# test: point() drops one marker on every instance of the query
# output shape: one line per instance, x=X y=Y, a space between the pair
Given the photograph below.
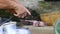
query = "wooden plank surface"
x=40 y=30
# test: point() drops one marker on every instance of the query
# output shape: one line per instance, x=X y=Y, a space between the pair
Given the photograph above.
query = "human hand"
x=20 y=10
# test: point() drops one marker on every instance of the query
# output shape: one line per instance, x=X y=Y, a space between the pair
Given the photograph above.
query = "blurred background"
x=47 y=12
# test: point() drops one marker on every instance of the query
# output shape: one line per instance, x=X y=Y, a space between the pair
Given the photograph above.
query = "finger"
x=15 y=15
x=28 y=12
x=25 y=14
x=21 y=15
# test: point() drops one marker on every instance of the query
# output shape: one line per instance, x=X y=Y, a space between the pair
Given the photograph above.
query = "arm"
x=5 y=4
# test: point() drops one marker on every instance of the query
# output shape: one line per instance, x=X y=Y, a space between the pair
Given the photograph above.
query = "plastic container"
x=23 y=31
x=1 y=30
x=9 y=28
x=57 y=26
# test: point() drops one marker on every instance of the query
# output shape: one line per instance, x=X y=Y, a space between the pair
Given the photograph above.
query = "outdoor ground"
x=40 y=30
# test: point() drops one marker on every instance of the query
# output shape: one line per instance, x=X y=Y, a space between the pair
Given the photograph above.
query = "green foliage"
x=45 y=7
x=5 y=13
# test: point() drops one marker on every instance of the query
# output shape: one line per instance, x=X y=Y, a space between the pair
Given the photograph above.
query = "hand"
x=7 y=3
x=3 y=4
x=20 y=10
